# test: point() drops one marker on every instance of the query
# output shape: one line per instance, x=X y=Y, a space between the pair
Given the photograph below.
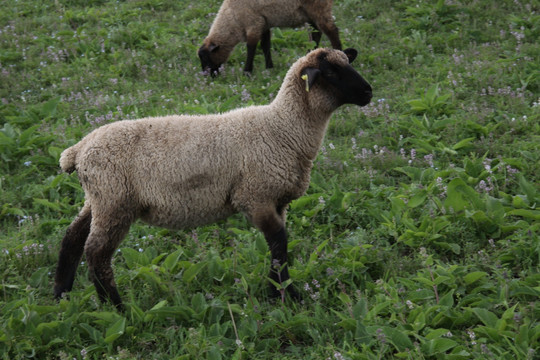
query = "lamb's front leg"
x=271 y=223
x=253 y=37
x=265 y=45
x=248 y=67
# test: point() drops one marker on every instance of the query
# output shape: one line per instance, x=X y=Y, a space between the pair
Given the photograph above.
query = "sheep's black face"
x=352 y=87
x=206 y=56
x=346 y=84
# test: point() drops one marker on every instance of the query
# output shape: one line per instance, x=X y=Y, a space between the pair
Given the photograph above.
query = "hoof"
x=60 y=291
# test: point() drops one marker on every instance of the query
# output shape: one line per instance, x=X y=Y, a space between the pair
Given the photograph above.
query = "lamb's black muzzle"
x=355 y=89
x=208 y=66
x=351 y=87
x=365 y=98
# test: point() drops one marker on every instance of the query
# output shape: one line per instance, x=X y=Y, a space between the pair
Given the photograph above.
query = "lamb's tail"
x=68 y=158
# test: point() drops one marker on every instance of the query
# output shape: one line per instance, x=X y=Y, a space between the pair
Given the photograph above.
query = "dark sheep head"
x=212 y=56
x=348 y=85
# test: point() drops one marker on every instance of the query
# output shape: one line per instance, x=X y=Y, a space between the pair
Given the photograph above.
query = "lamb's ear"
x=351 y=54
x=309 y=75
x=213 y=47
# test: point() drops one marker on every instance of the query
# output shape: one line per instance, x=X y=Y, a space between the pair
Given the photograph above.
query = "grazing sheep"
x=250 y=21
x=185 y=171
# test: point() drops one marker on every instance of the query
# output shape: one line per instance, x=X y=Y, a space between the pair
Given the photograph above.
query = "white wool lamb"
x=184 y=171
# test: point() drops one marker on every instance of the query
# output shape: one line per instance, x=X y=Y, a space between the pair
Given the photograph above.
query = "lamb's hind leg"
x=271 y=222
x=102 y=242
x=71 y=251
x=331 y=30
x=315 y=35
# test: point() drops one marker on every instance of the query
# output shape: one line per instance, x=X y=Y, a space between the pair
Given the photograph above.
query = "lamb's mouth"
x=212 y=71
x=366 y=99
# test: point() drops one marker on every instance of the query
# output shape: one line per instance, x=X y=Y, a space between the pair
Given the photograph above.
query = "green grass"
x=418 y=237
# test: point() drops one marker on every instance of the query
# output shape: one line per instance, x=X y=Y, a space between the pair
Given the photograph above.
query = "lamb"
x=185 y=171
x=250 y=21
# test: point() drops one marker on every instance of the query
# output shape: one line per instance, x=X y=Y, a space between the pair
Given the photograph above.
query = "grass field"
x=417 y=239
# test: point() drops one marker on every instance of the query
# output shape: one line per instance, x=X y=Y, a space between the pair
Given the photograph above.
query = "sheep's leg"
x=265 y=45
x=315 y=35
x=271 y=223
x=253 y=38
x=100 y=247
x=71 y=251
x=331 y=30
x=250 y=56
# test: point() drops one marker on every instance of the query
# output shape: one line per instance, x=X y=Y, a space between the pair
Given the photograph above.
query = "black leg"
x=103 y=278
x=279 y=267
x=278 y=249
x=100 y=247
x=316 y=35
x=332 y=32
x=71 y=252
x=248 y=68
x=265 y=45
x=271 y=222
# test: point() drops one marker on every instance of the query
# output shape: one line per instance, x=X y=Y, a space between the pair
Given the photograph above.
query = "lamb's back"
x=275 y=13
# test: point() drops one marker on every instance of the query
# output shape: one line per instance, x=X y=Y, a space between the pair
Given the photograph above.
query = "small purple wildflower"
x=245 y=95
x=376 y=109
x=510 y=170
x=381 y=337
x=485 y=349
x=457 y=58
x=195 y=237
x=410 y=304
x=429 y=159
x=472 y=336
x=314 y=295
x=403 y=153
x=441 y=186
x=483 y=187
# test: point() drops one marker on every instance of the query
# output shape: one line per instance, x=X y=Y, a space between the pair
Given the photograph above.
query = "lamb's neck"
x=225 y=30
x=300 y=126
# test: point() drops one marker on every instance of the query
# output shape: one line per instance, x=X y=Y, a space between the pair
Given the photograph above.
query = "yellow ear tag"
x=305 y=78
